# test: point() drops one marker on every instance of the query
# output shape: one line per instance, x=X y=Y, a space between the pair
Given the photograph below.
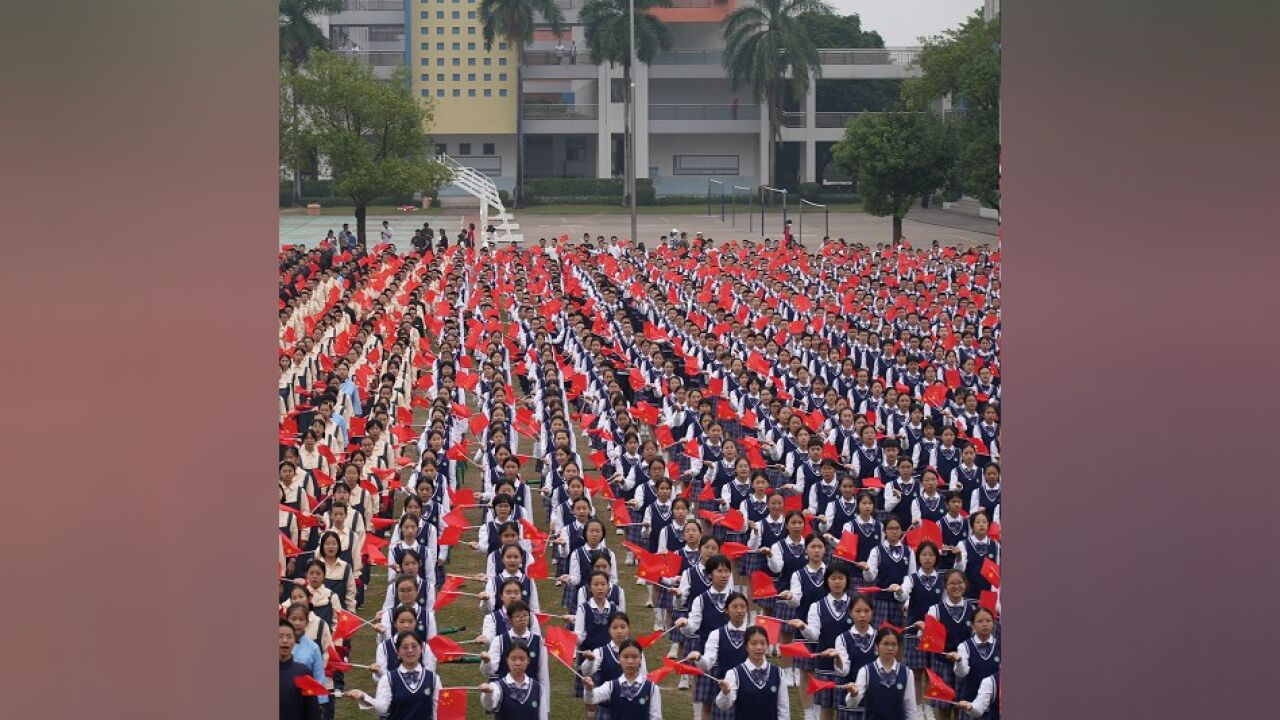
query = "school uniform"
x=920 y=591
x=828 y=619
x=623 y=699
x=954 y=531
x=405 y=694
x=731 y=497
x=854 y=650
x=958 y=621
x=985 y=497
x=898 y=504
x=512 y=700
x=591 y=625
x=706 y=615
x=580 y=568
x=888 y=565
x=972 y=554
x=726 y=648
x=785 y=560
x=928 y=507
x=978 y=661
x=885 y=693
x=756 y=692
x=841 y=515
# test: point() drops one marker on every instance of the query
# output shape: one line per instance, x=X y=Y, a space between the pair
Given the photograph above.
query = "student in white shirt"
x=756 y=678
x=885 y=687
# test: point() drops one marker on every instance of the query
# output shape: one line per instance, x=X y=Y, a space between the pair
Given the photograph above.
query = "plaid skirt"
x=845 y=713
x=783 y=610
x=724 y=535
x=705 y=689
x=912 y=655
x=635 y=533
x=831 y=698
x=666 y=600
x=569 y=599
x=944 y=668
x=884 y=607
x=750 y=563
x=717 y=713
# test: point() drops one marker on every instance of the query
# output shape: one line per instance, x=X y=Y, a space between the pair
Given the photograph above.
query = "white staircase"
x=482 y=188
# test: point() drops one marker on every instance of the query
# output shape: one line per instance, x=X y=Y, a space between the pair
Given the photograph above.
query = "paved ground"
x=947 y=228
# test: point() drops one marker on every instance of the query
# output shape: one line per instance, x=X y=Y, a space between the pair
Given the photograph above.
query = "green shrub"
x=811 y=191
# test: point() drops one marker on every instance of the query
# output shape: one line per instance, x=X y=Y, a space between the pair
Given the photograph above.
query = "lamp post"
x=631 y=147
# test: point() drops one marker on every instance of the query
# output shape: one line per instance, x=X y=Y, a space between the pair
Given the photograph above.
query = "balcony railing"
x=559 y=111
x=375 y=58
x=350 y=5
x=552 y=57
x=841 y=119
x=694 y=3
x=870 y=56
x=703 y=112
x=689 y=57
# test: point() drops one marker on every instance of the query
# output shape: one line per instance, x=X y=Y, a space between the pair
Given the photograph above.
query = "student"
x=604 y=664
x=497 y=622
x=929 y=504
x=967 y=476
x=591 y=621
x=955 y=528
x=630 y=695
x=955 y=612
x=839 y=514
x=920 y=590
x=766 y=515
x=978 y=657
x=886 y=567
x=411 y=691
x=884 y=687
x=987 y=496
x=706 y=615
x=974 y=550
x=520 y=632
x=754 y=689
x=870 y=530
x=385 y=659
x=338 y=576
x=293 y=704
x=726 y=647
x=616 y=595
x=828 y=618
x=901 y=492
x=786 y=557
x=324 y=602
x=580 y=562
x=307 y=652
x=515 y=696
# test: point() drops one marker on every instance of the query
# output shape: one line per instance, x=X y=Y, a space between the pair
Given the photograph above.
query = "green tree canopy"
x=895 y=158
x=964 y=63
x=298 y=34
x=372 y=131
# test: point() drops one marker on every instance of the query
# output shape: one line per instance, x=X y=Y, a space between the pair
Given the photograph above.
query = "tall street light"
x=631 y=147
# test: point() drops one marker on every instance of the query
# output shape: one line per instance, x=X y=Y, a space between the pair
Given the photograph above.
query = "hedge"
x=584 y=191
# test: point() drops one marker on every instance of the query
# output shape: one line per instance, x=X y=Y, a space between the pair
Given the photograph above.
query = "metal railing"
x=375 y=58
x=351 y=5
x=836 y=120
x=703 y=112
x=552 y=57
x=689 y=57
x=870 y=56
x=694 y=3
x=559 y=111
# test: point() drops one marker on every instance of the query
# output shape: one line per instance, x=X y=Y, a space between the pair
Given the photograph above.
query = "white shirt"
x=986 y=694
x=493 y=699
x=873 y=561
x=602 y=693
x=725 y=701
x=854 y=698
x=381 y=700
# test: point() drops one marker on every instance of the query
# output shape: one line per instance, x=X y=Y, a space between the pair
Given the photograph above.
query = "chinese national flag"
x=733 y=550
x=597 y=458
x=404 y=415
x=458 y=452
x=647 y=641
x=463 y=496
x=756 y=459
x=451 y=535
x=762 y=586
x=621 y=513
x=664 y=437
x=560 y=642
x=646 y=413
x=538 y=569
x=792 y=502
x=772 y=627
x=478 y=424
x=724 y=411
x=757 y=364
x=444 y=599
x=734 y=521
x=310 y=687
x=749 y=419
x=356 y=427
x=936 y=395
x=460 y=411
x=467 y=381
x=847 y=548
x=987 y=599
x=336 y=665
x=327 y=454
x=815 y=685
x=708 y=493
x=374 y=554
x=934 y=637
x=715 y=386
x=993 y=531
x=651 y=568
x=814 y=420
x=681 y=668
x=928 y=530
x=692 y=449
x=452 y=704
x=951 y=378
x=348 y=624
x=938 y=689
x=290 y=550
x=445 y=649
x=872 y=482
x=991 y=572
x=322 y=478
x=795 y=650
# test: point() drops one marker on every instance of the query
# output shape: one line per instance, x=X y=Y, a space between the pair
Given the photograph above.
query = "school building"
x=691 y=124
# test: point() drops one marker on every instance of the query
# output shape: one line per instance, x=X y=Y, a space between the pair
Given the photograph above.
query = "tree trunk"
x=770 y=100
x=296 y=198
x=361 y=211
x=519 y=193
x=897 y=229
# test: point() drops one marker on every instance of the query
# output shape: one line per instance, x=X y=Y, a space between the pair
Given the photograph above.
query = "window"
x=440 y=93
x=471 y=92
x=464 y=148
x=617 y=90
x=471 y=14
x=425 y=77
x=424 y=15
x=488 y=92
x=439 y=46
x=439 y=61
x=457 y=77
x=425 y=46
x=502 y=92
x=424 y=30
x=439 y=14
x=705 y=164
x=386 y=33
x=442 y=149
x=471 y=29
x=456 y=14
x=488 y=77
x=502 y=77
x=439 y=29
x=502 y=61
x=457 y=93
x=457 y=62
x=439 y=77
x=502 y=46
x=471 y=62
x=456 y=30
x=488 y=61
x=424 y=61
x=471 y=77
x=457 y=46
x=488 y=147
x=471 y=46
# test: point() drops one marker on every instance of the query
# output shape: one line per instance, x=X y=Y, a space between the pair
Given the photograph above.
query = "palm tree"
x=763 y=43
x=513 y=21
x=298 y=37
x=607 y=27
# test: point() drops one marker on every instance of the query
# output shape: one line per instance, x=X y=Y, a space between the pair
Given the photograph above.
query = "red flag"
x=724 y=411
x=772 y=627
x=467 y=380
x=460 y=411
x=309 y=686
x=452 y=704
x=347 y=625
x=681 y=668
x=757 y=364
x=644 y=412
x=373 y=553
x=383 y=523
x=355 y=427
x=531 y=531
x=692 y=449
x=647 y=641
x=663 y=434
x=928 y=530
x=733 y=550
x=327 y=454
x=715 y=387
x=792 y=502
x=445 y=649
x=333 y=665
x=991 y=571
x=621 y=513
x=937 y=688
x=934 y=637
x=657 y=675
x=708 y=493
x=987 y=599
x=815 y=685
x=458 y=452
x=734 y=521
x=597 y=458
x=404 y=415
x=478 y=424
x=762 y=585
x=795 y=650
x=847 y=548
x=993 y=531
x=749 y=419
x=651 y=568
x=290 y=550
x=560 y=642
x=464 y=496
x=451 y=535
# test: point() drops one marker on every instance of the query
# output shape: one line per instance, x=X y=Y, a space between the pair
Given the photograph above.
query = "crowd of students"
x=797 y=450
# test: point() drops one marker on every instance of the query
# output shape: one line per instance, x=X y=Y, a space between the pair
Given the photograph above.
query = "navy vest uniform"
x=808 y=475
x=389 y=649
x=533 y=644
x=713 y=614
x=412 y=702
x=892 y=571
x=948 y=459
x=868 y=461
x=729 y=653
x=958 y=621
x=974 y=556
x=517 y=705
x=954 y=531
x=832 y=625
x=861 y=650
x=931 y=508
x=902 y=510
x=597 y=624
x=757 y=701
x=869 y=535
x=983 y=663
x=885 y=695
x=633 y=703
x=988 y=500
x=608 y=668
x=970 y=479
x=501 y=623
x=842 y=515
x=811 y=589
x=662 y=519
x=925 y=593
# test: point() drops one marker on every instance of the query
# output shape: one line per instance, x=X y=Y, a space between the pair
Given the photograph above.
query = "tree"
x=764 y=43
x=296 y=140
x=513 y=21
x=964 y=63
x=829 y=30
x=371 y=130
x=608 y=35
x=895 y=158
x=298 y=37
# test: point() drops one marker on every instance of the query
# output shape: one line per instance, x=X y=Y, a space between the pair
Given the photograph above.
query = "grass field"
x=676 y=704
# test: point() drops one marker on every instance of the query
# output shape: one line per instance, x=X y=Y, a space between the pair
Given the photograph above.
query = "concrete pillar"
x=604 y=146
x=643 y=161
x=809 y=165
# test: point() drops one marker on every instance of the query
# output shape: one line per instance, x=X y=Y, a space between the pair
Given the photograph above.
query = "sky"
x=901 y=22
